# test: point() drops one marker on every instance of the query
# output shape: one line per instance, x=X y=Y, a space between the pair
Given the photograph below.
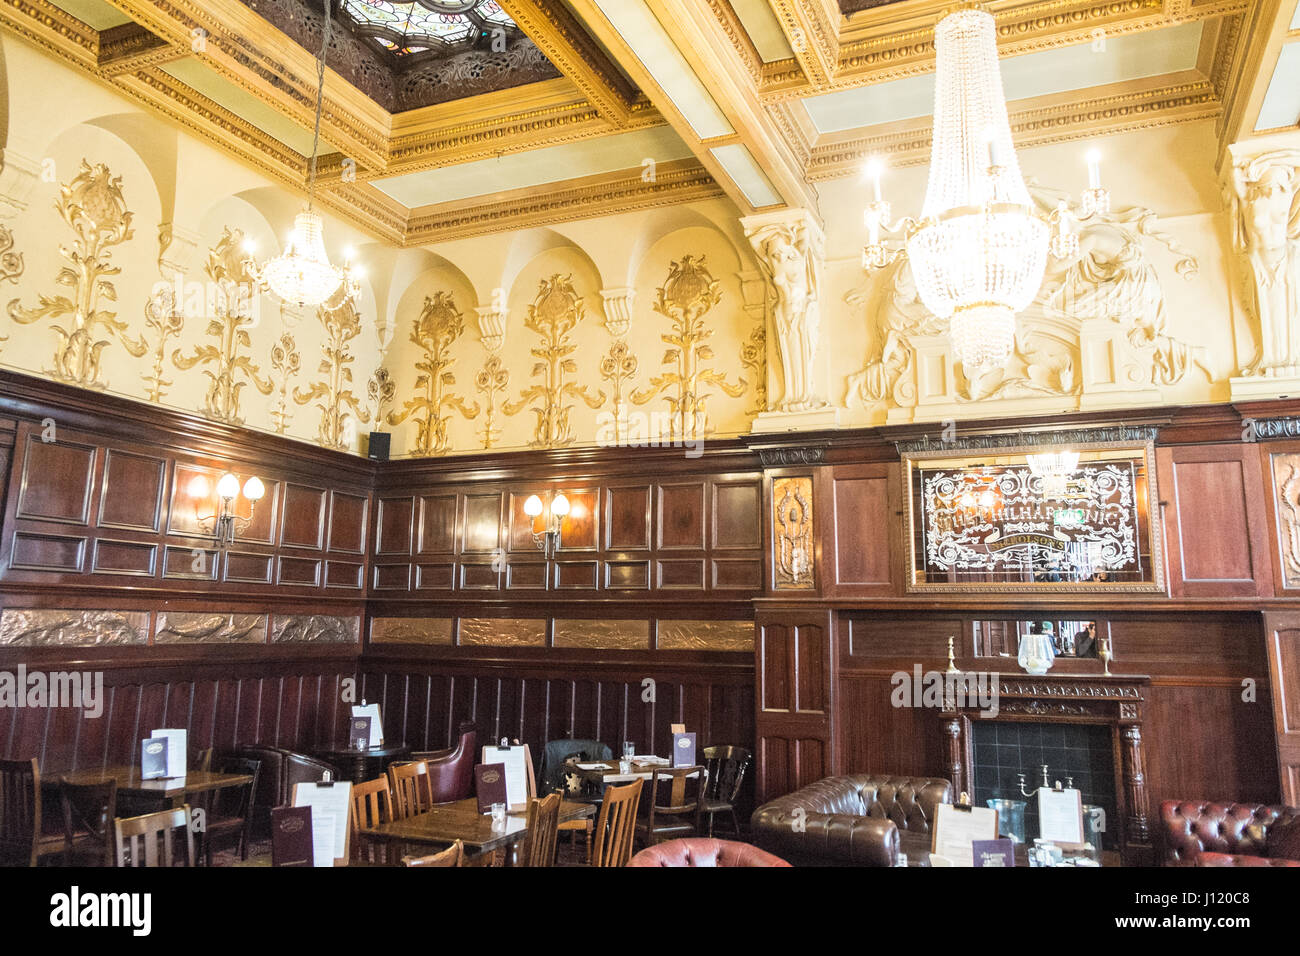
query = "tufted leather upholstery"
x=704 y=851
x=849 y=821
x=1239 y=859
x=451 y=772
x=1192 y=827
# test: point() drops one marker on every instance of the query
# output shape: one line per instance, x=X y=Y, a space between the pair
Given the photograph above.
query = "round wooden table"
x=355 y=765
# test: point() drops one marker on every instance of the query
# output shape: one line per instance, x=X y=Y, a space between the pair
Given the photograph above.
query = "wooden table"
x=612 y=774
x=460 y=820
x=167 y=792
x=355 y=764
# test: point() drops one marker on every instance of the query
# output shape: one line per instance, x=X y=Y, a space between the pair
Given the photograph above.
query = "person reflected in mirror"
x=1085 y=641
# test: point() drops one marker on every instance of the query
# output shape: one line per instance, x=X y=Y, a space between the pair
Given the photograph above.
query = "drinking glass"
x=629 y=749
x=498 y=814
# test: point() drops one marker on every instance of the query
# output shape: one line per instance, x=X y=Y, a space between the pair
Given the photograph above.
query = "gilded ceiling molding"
x=677 y=182
x=434 y=330
x=52 y=30
x=338 y=406
x=739 y=37
x=1138 y=109
x=227 y=267
x=165 y=316
x=130 y=47
x=285 y=365
x=687 y=296
x=553 y=315
x=810 y=26
x=94 y=208
x=566 y=44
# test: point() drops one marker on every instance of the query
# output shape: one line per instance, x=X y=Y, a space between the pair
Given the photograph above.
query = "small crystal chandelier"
x=303 y=272
x=979 y=251
x=1054 y=469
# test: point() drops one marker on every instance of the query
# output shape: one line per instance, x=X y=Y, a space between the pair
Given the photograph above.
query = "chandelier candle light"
x=979 y=251
x=303 y=272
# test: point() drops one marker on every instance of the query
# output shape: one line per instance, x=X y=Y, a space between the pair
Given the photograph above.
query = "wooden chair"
x=409 y=786
x=726 y=765
x=88 y=813
x=21 y=839
x=454 y=855
x=543 y=830
x=676 y=804
x=228 y=813
x=616 y=824
x=138 y=838
x=581 y=786
x=372 y=804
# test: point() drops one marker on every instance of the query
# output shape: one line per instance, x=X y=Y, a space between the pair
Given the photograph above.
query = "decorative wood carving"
x=792 y=514
x=72 y=628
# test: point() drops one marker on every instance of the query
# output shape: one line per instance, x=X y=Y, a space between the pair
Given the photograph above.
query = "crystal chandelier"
x=1054 y=469
x=979 y=251
x=303 y=272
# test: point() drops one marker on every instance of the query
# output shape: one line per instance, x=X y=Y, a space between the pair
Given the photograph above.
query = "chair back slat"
x=138 y=838
x=616 y=824
x=372 y=805
x=543 y=828
x=726 y=764
x=454 y=855
x=411 y=792
x=20 y=812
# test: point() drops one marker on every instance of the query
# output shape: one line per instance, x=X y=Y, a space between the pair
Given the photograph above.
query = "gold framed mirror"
x=1061 y=511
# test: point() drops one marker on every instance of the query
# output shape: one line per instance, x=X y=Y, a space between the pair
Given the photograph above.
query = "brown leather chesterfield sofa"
x=858 y=820
x=704 y=851
x=1202 y=833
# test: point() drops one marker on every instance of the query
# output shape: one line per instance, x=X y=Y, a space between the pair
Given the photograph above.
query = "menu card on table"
x=1000 y=852
x=683 y=750
x=331 y=819
x=175 y=759
x=957 y=827
x=291 y=836
x=360 y=734
x=517 y=768
x=490 y=785
x=153 y=758
x=1060 y=817
x=376 y=725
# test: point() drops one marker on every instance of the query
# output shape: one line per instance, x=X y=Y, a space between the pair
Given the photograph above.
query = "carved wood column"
x=954 y=748
x=1135 y=786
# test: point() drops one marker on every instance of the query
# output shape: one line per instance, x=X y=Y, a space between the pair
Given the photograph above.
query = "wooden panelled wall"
x=420 y=581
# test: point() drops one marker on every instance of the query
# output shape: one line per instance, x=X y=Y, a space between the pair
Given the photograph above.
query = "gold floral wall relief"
x=617 y=367
x=235 y=301
x=685 y=298
x=93 y=207
x=753 y=355
x=162 y=315
x=338 y=406
x=492 y=381
x=11 y=263
x=380 y=391
x=553 y=315
x=435 y=329
x=285 y=363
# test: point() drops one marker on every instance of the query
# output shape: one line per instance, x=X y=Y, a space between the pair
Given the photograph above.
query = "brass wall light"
x=226 y=524
x=548 y=538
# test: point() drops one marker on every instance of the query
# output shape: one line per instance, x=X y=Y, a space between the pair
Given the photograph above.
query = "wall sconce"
x=226 y=524
x=548 y=539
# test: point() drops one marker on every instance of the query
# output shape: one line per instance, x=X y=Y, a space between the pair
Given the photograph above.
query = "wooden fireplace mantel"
x=1115 y=701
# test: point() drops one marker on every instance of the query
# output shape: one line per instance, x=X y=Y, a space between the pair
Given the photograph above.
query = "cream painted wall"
x=56 y=117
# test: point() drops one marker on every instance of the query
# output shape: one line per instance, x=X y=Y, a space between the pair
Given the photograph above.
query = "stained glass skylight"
x=429 y=26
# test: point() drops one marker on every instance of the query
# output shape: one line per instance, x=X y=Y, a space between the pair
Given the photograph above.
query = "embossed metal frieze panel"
x=411 y=630
x=315 y=629
x=72 y=628
x=706 y=636
x=175 y=627
x=621 y=635
x=502 y=632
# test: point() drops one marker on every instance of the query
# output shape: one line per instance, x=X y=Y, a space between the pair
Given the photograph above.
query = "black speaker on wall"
x=377 y=447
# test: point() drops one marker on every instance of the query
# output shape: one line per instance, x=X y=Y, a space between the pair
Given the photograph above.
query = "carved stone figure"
x=790 y=253
x=1266 y=233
